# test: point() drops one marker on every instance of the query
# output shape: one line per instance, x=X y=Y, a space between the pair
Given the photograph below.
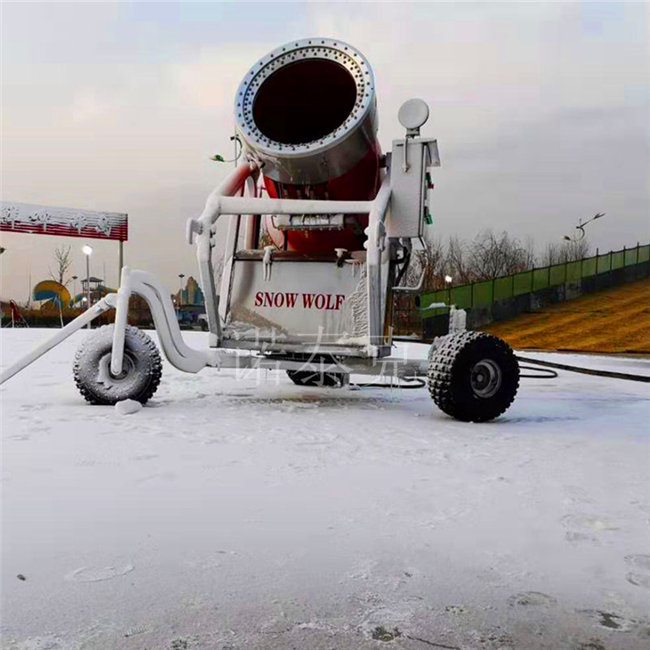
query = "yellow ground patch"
x=615 y=320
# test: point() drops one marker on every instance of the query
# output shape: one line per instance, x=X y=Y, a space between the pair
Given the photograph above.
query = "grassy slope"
x=615 y=320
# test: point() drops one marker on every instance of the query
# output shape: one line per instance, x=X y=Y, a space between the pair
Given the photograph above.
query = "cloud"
x=88 y=104
x=210 y=80
x=540 y=109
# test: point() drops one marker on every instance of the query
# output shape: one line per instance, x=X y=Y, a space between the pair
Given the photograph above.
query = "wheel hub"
x=104 y=371
x=485 y=378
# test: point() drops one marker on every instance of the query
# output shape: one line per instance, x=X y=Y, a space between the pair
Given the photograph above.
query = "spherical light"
x=413 y=113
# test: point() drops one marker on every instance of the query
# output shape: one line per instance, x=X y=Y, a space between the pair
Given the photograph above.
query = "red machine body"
x=360 y=183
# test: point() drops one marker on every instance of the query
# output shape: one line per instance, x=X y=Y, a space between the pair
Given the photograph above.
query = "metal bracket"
x=267 y=260
x=192 y=226
x=179 y=354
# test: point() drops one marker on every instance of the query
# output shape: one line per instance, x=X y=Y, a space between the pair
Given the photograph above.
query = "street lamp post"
x=87 y=251
x=573 y=249
x=180 y=295
x=581 y=228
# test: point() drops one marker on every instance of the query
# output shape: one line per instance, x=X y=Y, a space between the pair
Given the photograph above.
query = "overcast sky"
x=541 y=113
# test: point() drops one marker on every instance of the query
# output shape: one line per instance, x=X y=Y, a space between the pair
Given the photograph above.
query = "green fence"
x=485 y=293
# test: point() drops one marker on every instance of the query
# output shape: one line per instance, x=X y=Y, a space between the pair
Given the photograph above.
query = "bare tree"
x=63 y=262
x=456 y=262
x=528 y=253
x=491 y=256
x=578 y=249
x=486 y=257
x=567 y=251
x=553 y=254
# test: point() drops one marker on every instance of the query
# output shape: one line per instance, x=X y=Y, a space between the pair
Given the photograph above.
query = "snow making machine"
x=321 y=227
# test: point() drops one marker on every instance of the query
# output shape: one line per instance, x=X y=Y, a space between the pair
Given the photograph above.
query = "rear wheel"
x=473 y=376
x=141 y=367
x=311 y=378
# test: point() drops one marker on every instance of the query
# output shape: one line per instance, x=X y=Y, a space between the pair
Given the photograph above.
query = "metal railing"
x=484 y=293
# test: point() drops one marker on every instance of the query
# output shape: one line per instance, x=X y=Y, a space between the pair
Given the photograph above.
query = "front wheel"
x=473 y=376
x=141 y=367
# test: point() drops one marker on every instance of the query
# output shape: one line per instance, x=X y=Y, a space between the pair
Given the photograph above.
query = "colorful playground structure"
x=54 y=295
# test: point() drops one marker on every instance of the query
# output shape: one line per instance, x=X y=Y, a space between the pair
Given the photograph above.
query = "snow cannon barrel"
x=308 y=113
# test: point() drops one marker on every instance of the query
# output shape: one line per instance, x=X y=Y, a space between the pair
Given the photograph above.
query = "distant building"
x=190 y=295
x=189 y=303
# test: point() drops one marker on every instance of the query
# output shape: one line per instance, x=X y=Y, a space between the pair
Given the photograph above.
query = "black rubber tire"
x=320 y=379
x=456 y=390
x=141 y=374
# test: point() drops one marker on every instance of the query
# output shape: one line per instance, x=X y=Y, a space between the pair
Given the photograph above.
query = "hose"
x=586 y=371
x=406 y=260
x=551 y=374
x=541 y=373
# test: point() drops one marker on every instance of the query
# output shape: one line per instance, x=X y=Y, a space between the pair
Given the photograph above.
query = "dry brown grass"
x=613 y=321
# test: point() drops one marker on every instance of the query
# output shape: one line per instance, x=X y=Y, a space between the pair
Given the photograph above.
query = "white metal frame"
x=223 y=201
x=191 y=360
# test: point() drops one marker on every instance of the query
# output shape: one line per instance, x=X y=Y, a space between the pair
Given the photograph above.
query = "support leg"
x=121 y=313
x=90 y=314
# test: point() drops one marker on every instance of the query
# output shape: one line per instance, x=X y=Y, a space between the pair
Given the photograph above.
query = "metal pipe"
x=103 y=305
x=121 y=313
x=120 y=258
x=250 y=219
x=88 y=284
x=375 y=246
x=228 y=187
x=178 y=353
x=246 y=205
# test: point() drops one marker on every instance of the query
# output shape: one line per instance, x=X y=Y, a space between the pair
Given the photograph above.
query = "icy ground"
x=253 y=514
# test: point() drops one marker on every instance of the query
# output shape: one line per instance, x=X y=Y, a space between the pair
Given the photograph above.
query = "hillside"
x=616 y=320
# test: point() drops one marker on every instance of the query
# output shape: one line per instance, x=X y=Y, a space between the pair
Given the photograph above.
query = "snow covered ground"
x=254 y=514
